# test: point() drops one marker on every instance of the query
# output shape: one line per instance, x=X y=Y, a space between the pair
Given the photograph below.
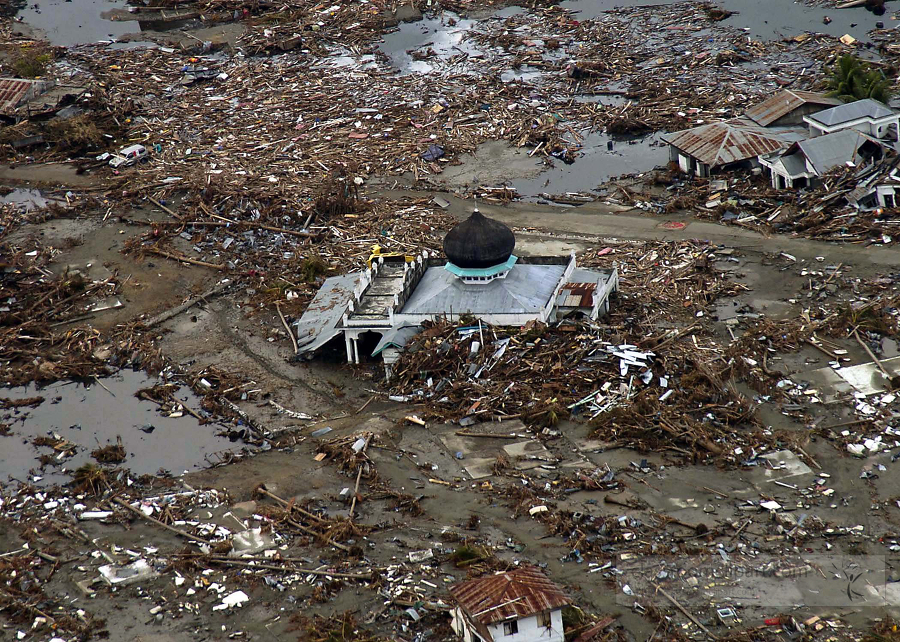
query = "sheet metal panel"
x=513 y=594
x=727 y=141
x=784 y=102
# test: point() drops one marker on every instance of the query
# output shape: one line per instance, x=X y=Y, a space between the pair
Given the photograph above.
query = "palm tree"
x=874 y=84
x=852 y=79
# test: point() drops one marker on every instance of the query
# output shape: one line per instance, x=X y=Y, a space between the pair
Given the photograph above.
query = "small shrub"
x=30 y=62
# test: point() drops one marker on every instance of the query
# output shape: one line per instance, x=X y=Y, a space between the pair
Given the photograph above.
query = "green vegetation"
x=852 y=79
x=311 y=268
x=31 y=62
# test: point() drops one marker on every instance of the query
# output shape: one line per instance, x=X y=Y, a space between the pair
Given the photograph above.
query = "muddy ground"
x=676 y=516
x=430 y=462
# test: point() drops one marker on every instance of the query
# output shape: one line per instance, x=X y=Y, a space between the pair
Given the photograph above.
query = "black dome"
x=479 y=242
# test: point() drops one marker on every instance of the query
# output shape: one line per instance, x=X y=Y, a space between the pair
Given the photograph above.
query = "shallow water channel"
x=95 y=415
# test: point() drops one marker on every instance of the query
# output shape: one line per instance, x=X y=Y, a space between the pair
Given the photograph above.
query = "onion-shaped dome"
x=479 y=242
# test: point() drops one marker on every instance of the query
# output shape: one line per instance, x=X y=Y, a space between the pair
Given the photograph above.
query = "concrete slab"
x=786 y=464
x=526 y=455
x=830 y=386
x=480 y=467
x=865 y=378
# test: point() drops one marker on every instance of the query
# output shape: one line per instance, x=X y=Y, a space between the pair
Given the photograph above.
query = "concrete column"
x=355 y=350
x=349 y=346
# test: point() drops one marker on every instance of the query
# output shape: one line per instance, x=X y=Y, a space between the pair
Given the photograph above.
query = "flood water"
x=88 y=415
x=763 y=19
x=66 y=23
x=597 y=164
x=26 y=199
x=434 y=33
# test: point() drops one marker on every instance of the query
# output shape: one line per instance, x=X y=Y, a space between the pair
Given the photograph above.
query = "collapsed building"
x=377 y=310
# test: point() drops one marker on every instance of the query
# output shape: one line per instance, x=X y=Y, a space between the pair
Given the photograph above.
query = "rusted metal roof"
x=13 y=92
x=512 y=594
x=727 y=141
x=576 y=295
x=784 y=102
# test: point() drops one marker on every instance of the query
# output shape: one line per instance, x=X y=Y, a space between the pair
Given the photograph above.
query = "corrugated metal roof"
x=849 y=112
x=13 y=91
x=784 y=102
x=396 y=337
x=576 y=295
x=727 y=141
x=512 y=594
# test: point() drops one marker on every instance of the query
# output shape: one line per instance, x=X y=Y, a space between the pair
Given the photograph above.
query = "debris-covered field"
x=712 y=459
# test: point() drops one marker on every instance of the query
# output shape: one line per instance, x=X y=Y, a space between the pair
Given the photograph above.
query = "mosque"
x=377 y=310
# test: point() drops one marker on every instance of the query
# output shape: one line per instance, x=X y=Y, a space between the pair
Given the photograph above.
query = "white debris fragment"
x=232 y=600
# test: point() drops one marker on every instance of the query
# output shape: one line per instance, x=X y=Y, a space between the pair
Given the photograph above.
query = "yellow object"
x=376 y=253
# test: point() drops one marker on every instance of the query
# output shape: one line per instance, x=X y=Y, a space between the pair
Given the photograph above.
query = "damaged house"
x=771 y=135
x=521 y=605
x=867 y=116
x=801 y=164
x=379 y=309
x=787 y=108
x=877 y=185
x=726 y=144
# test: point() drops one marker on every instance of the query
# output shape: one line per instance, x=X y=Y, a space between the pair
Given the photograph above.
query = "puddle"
x=66 y=23
x=415 y=39
x=26 y=199
x=86 y=415
x=594 y=8
x=524 y=74
x=597 y=164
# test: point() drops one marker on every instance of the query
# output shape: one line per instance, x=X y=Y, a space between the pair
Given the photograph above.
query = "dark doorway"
x=366 y=344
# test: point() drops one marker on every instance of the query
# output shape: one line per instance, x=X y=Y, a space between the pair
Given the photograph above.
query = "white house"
x=867 y=116
x=801 y=164
x=521 y=605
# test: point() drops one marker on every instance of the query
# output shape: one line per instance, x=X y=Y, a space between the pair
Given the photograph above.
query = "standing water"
x=94 y=415
x=66 y=23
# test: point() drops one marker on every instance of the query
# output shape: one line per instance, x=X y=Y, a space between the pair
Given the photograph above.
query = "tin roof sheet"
x=784 y=102
x=577 y=295
x=319 y=323
x=12 y=92
x=727 y=141
x=512 y=594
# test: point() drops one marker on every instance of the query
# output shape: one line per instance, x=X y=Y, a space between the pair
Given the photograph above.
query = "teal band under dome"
x=488 y=271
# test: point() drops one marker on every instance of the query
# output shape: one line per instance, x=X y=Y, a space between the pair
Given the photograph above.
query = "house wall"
x=529 y=631
x=796 y=117
x=887 y=196
x=884 y=128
